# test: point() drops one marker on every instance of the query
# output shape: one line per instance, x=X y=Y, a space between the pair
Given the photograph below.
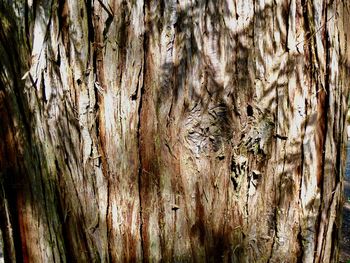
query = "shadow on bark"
x=207 y=115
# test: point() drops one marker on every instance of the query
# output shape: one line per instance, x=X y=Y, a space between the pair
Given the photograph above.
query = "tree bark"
x=173 y=131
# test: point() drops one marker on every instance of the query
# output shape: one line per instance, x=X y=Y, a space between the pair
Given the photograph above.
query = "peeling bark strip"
x=173 y=131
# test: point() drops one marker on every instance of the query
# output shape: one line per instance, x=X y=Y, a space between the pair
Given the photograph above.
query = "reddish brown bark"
x=172 y=131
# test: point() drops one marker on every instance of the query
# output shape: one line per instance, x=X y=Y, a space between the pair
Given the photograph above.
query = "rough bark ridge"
x=172 y=130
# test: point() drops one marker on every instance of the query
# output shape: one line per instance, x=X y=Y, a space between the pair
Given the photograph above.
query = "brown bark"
x=174 y=131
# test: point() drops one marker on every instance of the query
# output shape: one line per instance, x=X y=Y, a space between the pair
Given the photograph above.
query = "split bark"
x=172 y=131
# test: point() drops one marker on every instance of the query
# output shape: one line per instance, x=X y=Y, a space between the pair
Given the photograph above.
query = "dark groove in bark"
x=34 y=8
x=302 y=158
x=134 y=95
x=323 y=99
x=140 y=171
x=276 y=201
x=26 y=25
x=139 y=139
x=91 y=33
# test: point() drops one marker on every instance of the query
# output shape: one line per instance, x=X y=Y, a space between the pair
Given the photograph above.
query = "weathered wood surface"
x=174 y=131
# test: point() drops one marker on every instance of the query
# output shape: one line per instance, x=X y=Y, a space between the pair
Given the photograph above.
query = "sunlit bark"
x=174 y=131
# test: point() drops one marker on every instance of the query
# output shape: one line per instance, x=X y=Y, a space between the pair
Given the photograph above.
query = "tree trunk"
x=173 y=131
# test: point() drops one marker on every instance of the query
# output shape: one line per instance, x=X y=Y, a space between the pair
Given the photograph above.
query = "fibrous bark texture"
x=172 y=130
